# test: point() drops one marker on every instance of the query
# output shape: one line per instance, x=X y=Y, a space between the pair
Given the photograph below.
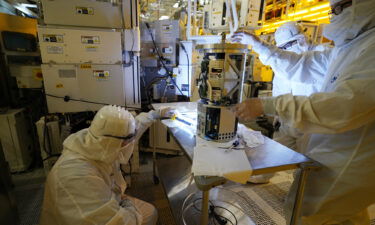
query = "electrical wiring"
x=131 y=53
x=170 y=74
x=67 y=99
x=188 y=65
x=216 y=218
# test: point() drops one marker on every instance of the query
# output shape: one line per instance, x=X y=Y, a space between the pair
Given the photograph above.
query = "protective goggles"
x=129 y=137
x=288 y=45
x=340 y=6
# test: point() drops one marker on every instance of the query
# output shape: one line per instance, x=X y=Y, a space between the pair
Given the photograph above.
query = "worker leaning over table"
x=340 y=120
x=291 y=37
x=86 y=185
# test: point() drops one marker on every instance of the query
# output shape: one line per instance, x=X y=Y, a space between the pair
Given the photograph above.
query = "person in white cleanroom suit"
x=290 y=37
x=86 y=186
x=340 y=120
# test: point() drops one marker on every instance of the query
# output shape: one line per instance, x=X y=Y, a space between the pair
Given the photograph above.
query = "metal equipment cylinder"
x=220 y=89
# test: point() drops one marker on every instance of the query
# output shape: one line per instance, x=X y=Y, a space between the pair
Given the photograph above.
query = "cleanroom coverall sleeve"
x=350 y=105
x=144 y=121
x=306 y=67
x=91 y=201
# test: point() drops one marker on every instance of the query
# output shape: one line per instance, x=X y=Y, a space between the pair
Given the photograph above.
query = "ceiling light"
x=164 y=18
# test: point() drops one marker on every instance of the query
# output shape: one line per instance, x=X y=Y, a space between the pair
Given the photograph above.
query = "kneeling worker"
x=86 y=186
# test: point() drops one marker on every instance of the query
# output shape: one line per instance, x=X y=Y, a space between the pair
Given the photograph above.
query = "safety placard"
x=53 y=38
x=85 y=10
x=101 y=74
x=91 y=48
x=55 y=50
x=85 y=66
x=37 y=74
x=167 y=27
x=90 y=39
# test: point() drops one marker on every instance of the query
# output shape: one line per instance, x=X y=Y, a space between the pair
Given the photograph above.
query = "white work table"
x=267 y=158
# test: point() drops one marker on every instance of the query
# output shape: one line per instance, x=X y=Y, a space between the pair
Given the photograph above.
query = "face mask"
x=126 y=152
x=295 y=48
x=302 y=43
x=338 y=29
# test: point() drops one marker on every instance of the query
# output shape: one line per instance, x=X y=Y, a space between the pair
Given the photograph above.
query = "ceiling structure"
x=152 y=10
x=26 y=8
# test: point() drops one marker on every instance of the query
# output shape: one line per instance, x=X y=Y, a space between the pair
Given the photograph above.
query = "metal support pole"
x=299 y=195
x=243 y=75
x=155 y=177
x=205 y=203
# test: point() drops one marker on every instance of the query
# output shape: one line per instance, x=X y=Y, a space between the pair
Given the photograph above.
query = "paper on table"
x=170 y=123
x=252 y=138
x=233 y=164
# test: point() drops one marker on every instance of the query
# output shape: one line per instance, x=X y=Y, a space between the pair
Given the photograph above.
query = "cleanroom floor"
x=265 y=200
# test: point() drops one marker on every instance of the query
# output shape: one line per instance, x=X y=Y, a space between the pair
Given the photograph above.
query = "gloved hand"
x=164 y=112
x=249 y=109
x=167 y=112
x=246 y=38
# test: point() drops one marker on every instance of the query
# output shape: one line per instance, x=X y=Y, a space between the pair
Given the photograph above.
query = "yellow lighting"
x=280 y=22
x=311 y=15
x=314 y=13
x=322 y=6
x=321 y=18
x=300 y=12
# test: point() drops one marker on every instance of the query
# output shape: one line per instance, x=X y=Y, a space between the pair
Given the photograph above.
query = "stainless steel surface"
x=175 y=175
x=226 y=47
x=176 y=105
x=267 y=158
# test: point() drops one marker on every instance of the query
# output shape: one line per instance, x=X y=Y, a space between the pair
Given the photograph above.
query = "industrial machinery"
x=60 y=45
x=160 y=60
x=16 y=139
x=50 y=141
x=90 y=54
x=221 y=79
x=83 y=87
x=27 y=76
x=91 y=13
x=247 y=12
x=20 y=62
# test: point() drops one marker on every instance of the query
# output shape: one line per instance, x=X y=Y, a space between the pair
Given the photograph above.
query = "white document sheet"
x=231 y=164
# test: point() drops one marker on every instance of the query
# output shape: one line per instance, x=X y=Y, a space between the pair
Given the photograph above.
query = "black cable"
x=45 y=137
x=144 y=85
x=67 y=99
x=162 y=59
x=216 y=216
x=229 y=212
x=188 y=65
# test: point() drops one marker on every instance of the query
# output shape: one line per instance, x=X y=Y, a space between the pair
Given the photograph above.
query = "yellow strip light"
x=314 y=13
